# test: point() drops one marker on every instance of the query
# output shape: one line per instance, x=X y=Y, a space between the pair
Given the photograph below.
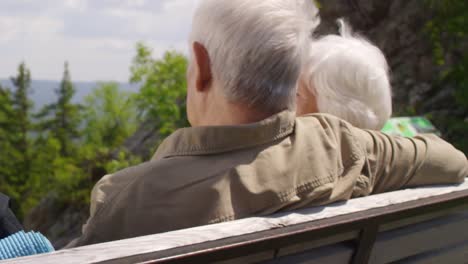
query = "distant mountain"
x=43 y=92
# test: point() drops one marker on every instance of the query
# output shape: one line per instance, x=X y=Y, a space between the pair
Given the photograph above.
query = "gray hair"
x=257 y=48
x=350 y=79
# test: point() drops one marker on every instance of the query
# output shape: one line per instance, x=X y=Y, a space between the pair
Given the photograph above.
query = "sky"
x=96 y=37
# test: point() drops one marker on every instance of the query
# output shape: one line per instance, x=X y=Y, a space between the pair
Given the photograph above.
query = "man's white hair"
x=257 y=47
x=350 y=79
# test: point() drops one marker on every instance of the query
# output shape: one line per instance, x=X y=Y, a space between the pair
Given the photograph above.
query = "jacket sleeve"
x=393 y=162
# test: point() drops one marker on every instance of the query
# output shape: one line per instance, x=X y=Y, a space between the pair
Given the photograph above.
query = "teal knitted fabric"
x=24 y=244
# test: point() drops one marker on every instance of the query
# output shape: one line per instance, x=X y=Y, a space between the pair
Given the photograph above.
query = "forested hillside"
x=43 y=91
x=53 y=155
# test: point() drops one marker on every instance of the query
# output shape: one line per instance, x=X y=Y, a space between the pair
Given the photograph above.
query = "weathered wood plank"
x=326 y=249
x=333 y=254
x=453 y=254
x=319 y=243
x=145 y=248
x=420 y=238
x=253 y=258
x=366 y=243
x=421 y=218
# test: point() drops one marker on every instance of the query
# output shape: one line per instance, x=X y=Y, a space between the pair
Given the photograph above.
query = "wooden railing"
x=409 y=226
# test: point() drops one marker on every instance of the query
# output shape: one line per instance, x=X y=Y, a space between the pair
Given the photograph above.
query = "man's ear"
x=202 y=61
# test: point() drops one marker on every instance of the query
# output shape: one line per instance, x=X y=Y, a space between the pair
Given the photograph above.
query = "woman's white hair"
x=350 y=79
x=257 y=48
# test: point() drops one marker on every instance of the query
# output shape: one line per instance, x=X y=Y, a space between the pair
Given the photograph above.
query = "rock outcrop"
x=398 y=27
x=59 y=222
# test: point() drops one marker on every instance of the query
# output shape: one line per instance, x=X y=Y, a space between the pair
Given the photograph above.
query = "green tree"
x=6 y=112
x=448 y=32
x=110 y=116
x=62 y=118
x=161 y=99
x=19 y=155
x=6 y=140
x=22 y=106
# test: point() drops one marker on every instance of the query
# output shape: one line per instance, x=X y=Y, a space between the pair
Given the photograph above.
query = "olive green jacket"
x=206 y=175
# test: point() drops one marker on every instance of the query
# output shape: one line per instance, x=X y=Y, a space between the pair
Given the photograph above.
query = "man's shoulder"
x=163 y=171
x=156 y=168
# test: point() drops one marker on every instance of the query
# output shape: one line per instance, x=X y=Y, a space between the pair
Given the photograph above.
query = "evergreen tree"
x=21 y=124
x=6 y=113
x=15 y=121
x=62 y=118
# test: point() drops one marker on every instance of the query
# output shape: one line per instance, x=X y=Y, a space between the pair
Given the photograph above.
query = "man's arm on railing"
x=396 y=162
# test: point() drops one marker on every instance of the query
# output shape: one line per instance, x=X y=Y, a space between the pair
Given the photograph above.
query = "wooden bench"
x=422 y=225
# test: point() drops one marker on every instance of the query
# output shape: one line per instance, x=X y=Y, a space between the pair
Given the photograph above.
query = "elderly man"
x=246 y=153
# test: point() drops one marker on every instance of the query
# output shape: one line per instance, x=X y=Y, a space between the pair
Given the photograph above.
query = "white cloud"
x=79 y=5
x=136 y=3
x=97 y=37
x=8 y=30
x=14 y=27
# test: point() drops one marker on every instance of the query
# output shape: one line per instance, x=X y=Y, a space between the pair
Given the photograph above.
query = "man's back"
x=198 y=177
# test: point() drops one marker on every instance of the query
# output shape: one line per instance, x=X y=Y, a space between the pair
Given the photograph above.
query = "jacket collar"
x=219 y=139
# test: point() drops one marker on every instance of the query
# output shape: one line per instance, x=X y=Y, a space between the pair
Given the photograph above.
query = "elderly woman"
x=346 y=76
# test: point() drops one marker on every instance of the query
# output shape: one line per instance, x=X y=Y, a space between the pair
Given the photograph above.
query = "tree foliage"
x=109 y=115
x=163 y=88
x=448 y=32
x=62 y=118
x=22 y=106
x=16 y=158
x=67 y=147
x=8 y=153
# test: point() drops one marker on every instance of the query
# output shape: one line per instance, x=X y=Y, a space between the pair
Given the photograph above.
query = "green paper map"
x=409 y=126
